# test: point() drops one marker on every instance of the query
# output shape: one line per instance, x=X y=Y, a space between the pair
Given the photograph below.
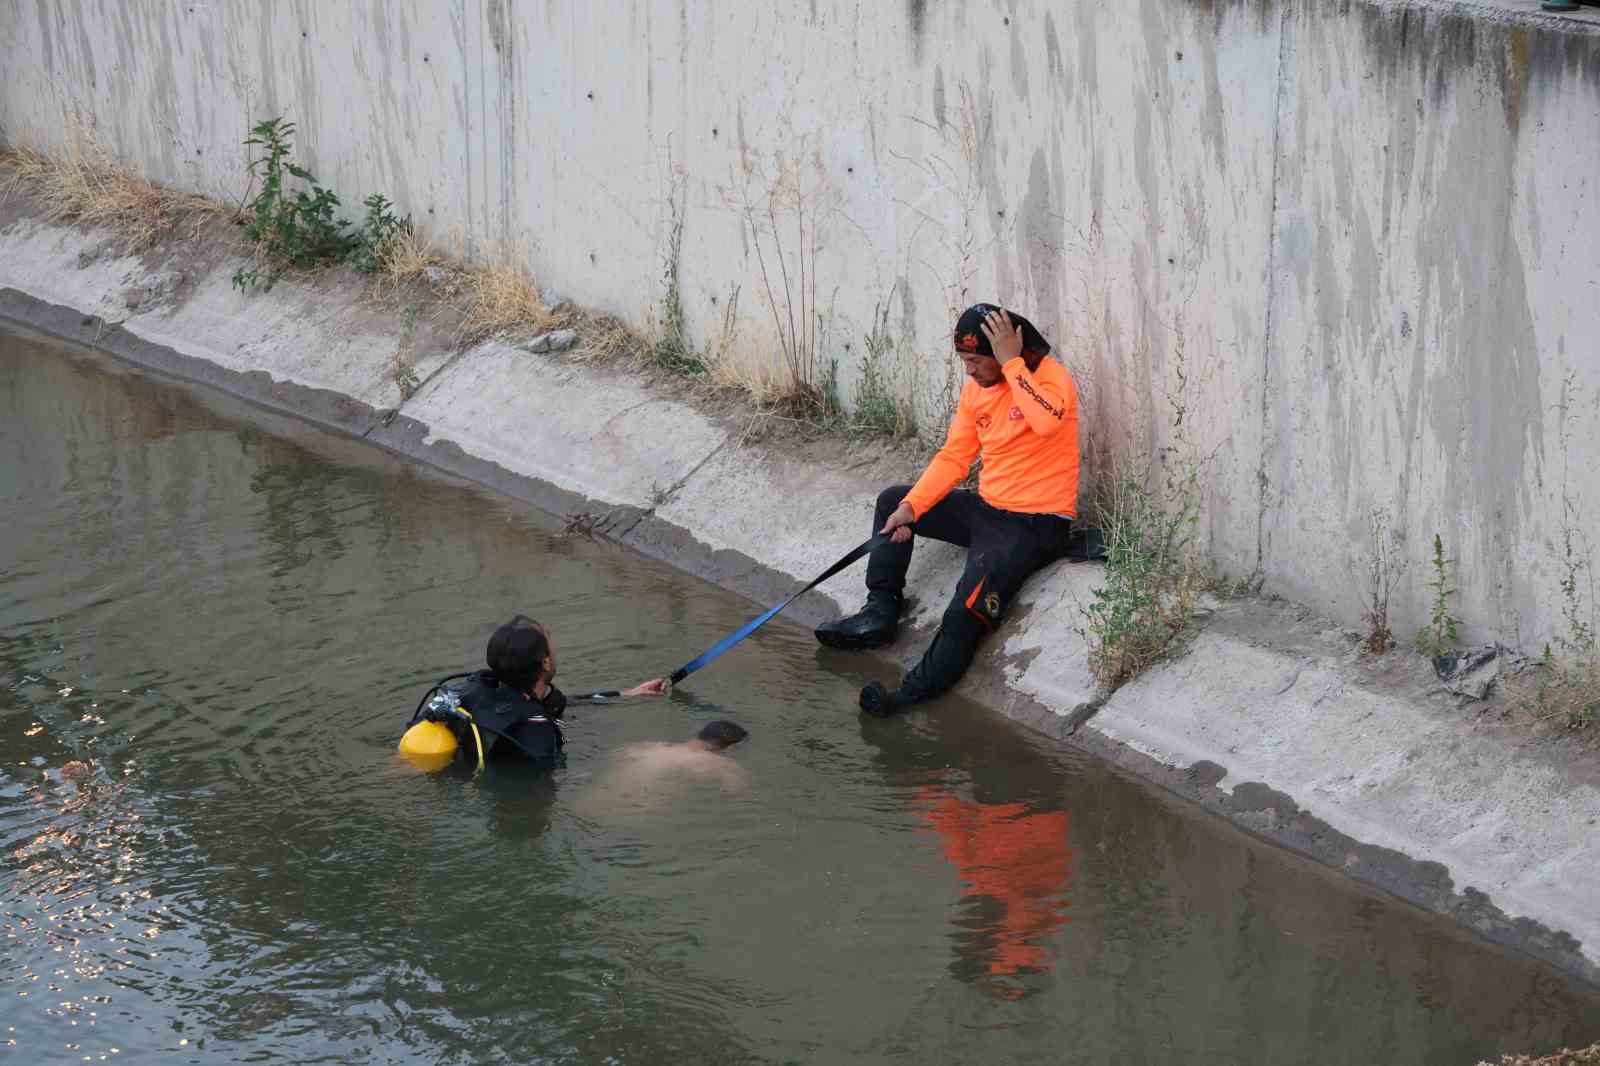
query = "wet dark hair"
x=517 y=652
x=722 y=734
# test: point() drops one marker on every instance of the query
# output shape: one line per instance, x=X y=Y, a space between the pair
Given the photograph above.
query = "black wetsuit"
x=510 y=723
x=1003 y=548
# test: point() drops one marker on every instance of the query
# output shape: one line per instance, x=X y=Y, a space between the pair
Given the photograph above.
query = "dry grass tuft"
x=607 y=337
x=763 y=382
x=404 y=257
x=86 y=187
x=1569 y=694
x=1564 y=1057
x=505 y=299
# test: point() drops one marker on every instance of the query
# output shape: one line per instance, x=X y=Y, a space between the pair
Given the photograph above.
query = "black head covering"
x=969 y=335
x=516 y=653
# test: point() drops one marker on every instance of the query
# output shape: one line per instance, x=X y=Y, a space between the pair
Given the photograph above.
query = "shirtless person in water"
x=645 y=768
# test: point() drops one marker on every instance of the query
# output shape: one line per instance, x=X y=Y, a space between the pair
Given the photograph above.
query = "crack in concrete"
x=634 y=407
x=665 y=495
x=438 y=371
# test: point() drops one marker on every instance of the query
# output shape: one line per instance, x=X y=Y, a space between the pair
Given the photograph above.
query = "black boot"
x=877 y=700
x=874 y=626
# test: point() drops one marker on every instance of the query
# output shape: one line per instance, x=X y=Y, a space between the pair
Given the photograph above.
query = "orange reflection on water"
x=1021 y=861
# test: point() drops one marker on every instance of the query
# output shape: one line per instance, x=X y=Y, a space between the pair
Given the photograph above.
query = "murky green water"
x=232 y=617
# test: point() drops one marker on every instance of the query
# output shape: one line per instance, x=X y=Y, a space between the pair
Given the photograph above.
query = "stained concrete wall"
x=1350 y=243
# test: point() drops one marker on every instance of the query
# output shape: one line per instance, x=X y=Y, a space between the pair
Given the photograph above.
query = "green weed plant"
x=300 y=228
x=1152 y=576
x=1441 y=635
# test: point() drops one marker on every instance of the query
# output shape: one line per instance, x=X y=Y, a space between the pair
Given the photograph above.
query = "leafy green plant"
x=1440 y=635
x=292 y=229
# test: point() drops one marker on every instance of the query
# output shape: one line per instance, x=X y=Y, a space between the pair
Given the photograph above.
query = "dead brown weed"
x=504 y=299
x=1569 y=695
x=85 y=186
x=607 y=337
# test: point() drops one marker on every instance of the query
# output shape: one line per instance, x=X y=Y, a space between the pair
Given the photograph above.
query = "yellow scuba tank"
x=428 y=746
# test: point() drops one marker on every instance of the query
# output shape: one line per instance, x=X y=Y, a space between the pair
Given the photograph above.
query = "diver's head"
x=522 y=655
x=719 y=736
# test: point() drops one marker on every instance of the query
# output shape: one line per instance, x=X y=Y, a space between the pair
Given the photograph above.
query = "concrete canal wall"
x=1351 y=241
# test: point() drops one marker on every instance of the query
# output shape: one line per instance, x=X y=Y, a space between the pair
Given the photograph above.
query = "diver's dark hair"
x=722 y=734
x=517 y=652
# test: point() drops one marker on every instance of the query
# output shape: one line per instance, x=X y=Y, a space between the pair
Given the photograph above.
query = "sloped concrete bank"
x=1271 y=720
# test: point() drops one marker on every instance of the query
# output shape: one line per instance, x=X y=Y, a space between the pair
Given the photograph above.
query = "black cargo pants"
x=1003 y=549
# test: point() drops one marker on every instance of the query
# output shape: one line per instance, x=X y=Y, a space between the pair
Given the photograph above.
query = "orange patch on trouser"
x=977 y=608
x=1021 y=861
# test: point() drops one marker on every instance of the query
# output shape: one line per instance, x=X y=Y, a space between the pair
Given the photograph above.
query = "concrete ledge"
x=1270 y=720
x=534 y=415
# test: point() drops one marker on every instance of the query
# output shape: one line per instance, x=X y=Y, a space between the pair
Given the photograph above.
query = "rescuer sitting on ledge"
x=1019 y=413
x=512 y=708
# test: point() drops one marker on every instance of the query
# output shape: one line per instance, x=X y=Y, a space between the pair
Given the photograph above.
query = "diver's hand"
x=654 y=687
x=899 y=524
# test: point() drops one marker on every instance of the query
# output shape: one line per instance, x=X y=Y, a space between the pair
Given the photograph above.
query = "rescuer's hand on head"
x=1004 y=338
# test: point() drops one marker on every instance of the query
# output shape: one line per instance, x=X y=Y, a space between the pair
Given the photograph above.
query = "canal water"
x=228 y=617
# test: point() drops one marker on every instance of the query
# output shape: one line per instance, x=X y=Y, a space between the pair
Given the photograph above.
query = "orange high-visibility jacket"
x=1026 y=428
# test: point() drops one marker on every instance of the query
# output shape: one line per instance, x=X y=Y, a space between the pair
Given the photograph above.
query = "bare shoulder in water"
x=641 y=765
x=650 y=774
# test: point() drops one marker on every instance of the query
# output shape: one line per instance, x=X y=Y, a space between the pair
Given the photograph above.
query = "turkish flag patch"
x=1016 y=414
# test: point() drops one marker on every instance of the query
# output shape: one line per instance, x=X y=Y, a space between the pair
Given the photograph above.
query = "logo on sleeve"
x=1016 y=414
x=1050 y=408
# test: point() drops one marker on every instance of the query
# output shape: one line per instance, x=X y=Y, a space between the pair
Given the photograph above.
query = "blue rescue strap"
x=715 y=651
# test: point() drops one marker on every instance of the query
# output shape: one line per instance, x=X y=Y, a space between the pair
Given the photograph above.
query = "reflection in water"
x=1015 y=866
x=995 y=805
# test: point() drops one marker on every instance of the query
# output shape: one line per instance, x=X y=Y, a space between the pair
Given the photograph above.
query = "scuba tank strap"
x=477 y=737
x=479 y=728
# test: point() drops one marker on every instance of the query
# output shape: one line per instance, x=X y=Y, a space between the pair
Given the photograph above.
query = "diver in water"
x=511 y=708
